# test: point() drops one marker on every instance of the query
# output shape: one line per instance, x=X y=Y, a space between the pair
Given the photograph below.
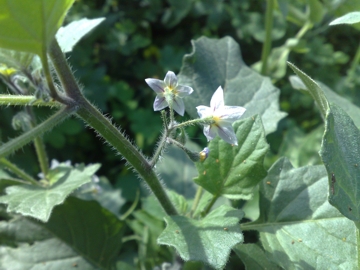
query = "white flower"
x=221 y=116
x=169 y=91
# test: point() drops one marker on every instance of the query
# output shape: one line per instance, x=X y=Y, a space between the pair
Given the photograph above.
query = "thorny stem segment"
x=159 y=148
x=64 y=73
x=115 y=138
x=268 y=28
x=20 y=173
x=25 y=138
x=13 y=100
x=94 y=118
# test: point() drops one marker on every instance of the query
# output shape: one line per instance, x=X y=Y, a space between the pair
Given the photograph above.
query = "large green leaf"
x=215 y=63
x=79 y=235
x=70 y=34
x=298 y=227
x=38 y=202
x=340 y=151
x=208 y=240
x=31 y=25
x=234 y=171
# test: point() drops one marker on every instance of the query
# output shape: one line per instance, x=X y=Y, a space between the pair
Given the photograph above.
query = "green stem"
x=192 y=122
x=303 y=30
x=102 y=125
x=197 y=198
x=208 y=207
x=354 y=65
x=64 y=73
x=268 y=28
x=39 y=146
x=48 y=124
x=115 y=138
x=20 y=173
x=11 y=100
x=357 y=224
x=159 y=148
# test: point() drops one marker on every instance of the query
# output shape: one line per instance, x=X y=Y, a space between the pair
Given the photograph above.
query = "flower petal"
x=217 y=99
x=157 y=85
x=178 y=106
x=210 y=132
x=160 y=103
x=170 y=79
x=227 y=134
x=230 y=114
x=204 y=111
x=184 y=90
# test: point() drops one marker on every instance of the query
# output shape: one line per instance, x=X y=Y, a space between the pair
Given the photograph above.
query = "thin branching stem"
x=19 y=172
x=197 y=198
x=267 y=43
x=17 y=143
x=209 y=206
x=19 y=100
x=39 y=146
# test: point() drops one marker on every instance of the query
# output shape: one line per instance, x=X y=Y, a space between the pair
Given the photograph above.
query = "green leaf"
x=297 y=225
x=215 y=63
x=350 y=18
x=314 y=89
x=208 y=240
x=234 y=171
x=352 y=110
x=69 y=35
x=31 y=25
x=38 y=202
x=254 y=257
x=85 y=235
x=340 y=153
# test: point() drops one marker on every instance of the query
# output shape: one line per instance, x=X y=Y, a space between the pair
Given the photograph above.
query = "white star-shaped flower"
x=168 y=91
x=221 y=116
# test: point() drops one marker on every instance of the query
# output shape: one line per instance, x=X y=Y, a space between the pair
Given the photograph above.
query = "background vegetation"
x=145 y=38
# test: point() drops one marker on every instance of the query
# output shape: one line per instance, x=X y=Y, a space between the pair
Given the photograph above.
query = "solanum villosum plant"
x=306 y=217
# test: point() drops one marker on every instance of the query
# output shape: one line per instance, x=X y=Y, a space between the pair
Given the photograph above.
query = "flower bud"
x=204 y=154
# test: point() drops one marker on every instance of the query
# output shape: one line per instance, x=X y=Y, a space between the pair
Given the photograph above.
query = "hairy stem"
x=48 y=124
x=114 y=137
x=267 y=43
x=13 y=100
x=16 y=170
x=94 y=118
x=159 y=148
x=64 y=73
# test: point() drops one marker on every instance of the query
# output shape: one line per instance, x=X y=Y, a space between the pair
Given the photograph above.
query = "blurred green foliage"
x=145 y=38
